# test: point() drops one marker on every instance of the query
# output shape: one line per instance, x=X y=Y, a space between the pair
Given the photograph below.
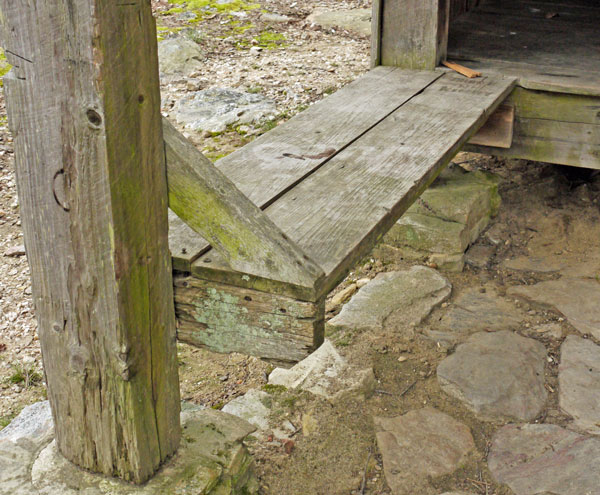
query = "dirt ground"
x=546 y=209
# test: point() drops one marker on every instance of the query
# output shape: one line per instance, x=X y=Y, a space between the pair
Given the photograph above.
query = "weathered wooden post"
x=84 y=108
x=412 y=34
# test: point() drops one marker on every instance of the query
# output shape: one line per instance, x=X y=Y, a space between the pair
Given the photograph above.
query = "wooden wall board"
x=225 y=318
x=272 y=164
x=498 y=129
x=339 y=213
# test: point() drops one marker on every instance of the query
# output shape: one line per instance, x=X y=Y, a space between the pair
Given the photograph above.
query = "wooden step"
x=337 y=197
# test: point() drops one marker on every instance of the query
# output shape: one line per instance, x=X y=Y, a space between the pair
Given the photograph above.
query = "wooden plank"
x=270 y=165
x=84 y=109
x=339 y=213
x=565 y=143
x=498 y=130
x=225 y=318
x=414 y=33
x=377 y=11
x=211 y=205
x=564 y=11
x=183 y=243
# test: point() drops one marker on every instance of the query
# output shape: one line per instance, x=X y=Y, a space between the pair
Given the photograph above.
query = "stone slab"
x=579 y=382
x=399 y=298
x=545 y=459
x=179 y=56
x=355 y=20
x=327 y=374
x=421 y=444
x=211 y=459
x=497 y=375
x=253 y=406
x=576 y=298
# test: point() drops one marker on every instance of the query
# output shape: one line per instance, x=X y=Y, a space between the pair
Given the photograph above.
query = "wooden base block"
x=224 y=318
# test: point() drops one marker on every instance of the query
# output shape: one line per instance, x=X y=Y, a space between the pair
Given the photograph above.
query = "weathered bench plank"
x=276 y=161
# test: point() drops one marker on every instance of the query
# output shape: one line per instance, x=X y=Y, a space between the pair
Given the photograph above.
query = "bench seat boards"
x=273 y=163
x=339 y=212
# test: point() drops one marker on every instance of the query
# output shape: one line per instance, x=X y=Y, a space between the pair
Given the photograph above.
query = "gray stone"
x=576 y=298
x=447 y=218
x=33 y=424
x=211 y=457
x=356 y=20
x=479 y=255
x=179 y=56
x=545 y=459
x=418 y=445
x=474 y=311
x=15 y=251
x=212 y=110
x=397 y=298
x=327 y=374
x=497 y=375
x=253 y=406
x=579 y=382
x=270 y=17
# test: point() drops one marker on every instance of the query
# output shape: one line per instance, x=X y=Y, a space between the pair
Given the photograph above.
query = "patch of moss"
x=4 y=66
x=274 y=389
x=26 y=375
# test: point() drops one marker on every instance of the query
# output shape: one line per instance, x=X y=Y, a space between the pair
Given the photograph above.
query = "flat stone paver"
x=474 y=311
x=579 y=382
x=404 y=297
x=545 y=459
x=421 y=444
x=497 y=375
x=576 y=298
x=356 y=20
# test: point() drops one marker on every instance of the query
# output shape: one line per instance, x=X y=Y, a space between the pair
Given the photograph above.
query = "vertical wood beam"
x=84 y=108
x=412 y=34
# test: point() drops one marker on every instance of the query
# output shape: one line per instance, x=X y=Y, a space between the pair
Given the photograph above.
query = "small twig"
x=404 y=392
x=363 y=485
x=383 y=392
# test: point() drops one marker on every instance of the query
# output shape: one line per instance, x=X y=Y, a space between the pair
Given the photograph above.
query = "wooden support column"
x=412 y=34
x=84 y=108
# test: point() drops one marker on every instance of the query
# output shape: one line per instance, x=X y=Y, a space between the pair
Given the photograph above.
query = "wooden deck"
x=553 y=49
x=334 y=179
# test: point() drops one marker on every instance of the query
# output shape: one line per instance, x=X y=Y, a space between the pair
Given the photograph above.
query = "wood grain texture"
x=272 y=164
x=414 y=33
x=340 y=212
x=225 y=318
x=376 y=13
x=212 y=206
x=558 y=54
x=83 y=105
x=498 y=129
x=183 y=243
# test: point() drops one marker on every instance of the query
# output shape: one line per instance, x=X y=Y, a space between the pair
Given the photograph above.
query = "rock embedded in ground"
x=211 y=457
x=545 y=459
x=576 y=298
x=212 y=110
x=579 y=382
x=179 y=56
x=474 y=311
x=447 y=218
x=253 y=406
x=399 y=298
x=327 y=374
x=355 y=20
x=497 y=375
x=418 y=445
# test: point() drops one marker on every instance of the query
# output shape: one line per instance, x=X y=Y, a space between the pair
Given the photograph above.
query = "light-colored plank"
x=377 y=10
x=225 y=318
x=339 y=213
x=414 y=33
x=84 y=109
x=275 y=162
x=211 y=205
x=498 y=130
x=183 y=243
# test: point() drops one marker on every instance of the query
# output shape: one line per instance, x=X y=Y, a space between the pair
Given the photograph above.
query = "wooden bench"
x=330 y=183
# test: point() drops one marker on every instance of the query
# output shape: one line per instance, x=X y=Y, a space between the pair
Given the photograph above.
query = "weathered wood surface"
x=339 y=212
x=498 y=130
x=557 y=54
x=225 y=318
x=376 y=13
x=414 y=33
x=459 y=7
x=83 y=106
x=272 y=164
x=211 y=205
x=183 y=243
x=553 y=127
